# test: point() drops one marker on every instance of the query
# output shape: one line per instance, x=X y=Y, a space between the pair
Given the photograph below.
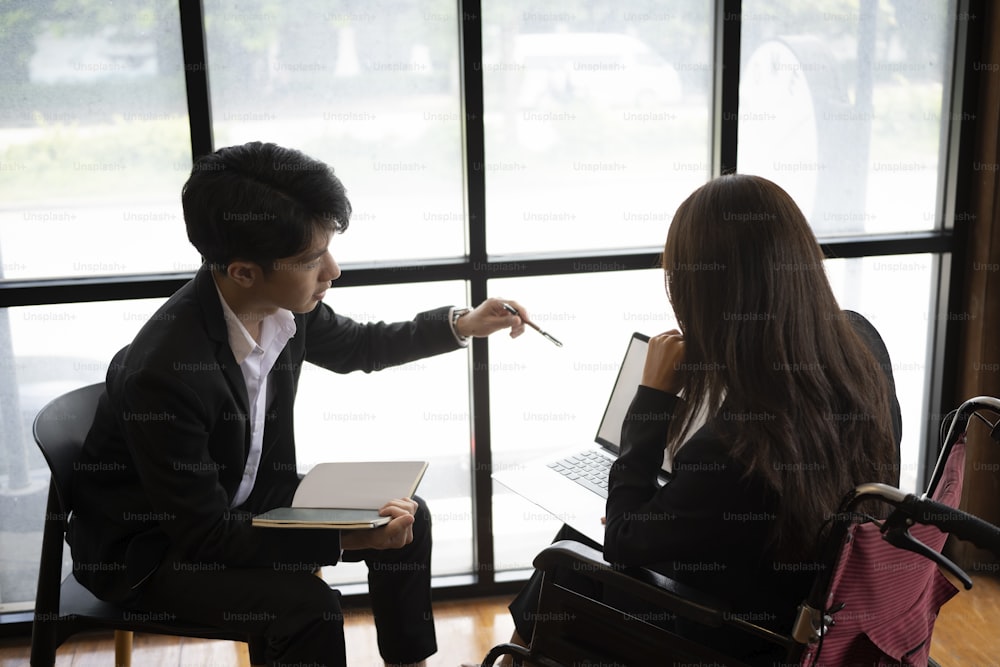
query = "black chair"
x=572 y=628
x=874 y=602
x=64 y=607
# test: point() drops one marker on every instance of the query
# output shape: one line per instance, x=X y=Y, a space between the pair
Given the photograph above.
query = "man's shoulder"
x=177 y=330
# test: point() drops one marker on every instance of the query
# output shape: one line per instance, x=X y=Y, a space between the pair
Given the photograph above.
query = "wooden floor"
x=466 y=630
x=967 y=634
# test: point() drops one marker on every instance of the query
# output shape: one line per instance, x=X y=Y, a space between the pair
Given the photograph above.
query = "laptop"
x=573 y=485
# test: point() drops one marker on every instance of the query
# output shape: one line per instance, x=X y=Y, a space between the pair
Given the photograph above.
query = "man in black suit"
x=194 y=434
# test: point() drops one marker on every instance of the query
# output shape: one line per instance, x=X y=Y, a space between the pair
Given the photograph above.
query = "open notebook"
x=346 y=495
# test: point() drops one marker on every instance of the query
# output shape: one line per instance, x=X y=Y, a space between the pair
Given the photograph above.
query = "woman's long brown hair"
x=770 y=354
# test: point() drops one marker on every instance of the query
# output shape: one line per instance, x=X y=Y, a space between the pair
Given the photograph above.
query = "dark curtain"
x=978 y=371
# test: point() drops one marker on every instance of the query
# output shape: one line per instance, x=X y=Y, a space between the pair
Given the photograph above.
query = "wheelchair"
x=874 y=601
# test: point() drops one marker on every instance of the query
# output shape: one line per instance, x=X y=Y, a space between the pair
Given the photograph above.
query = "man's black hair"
x=260 y=202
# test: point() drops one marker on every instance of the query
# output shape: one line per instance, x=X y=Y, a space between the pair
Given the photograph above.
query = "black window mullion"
x=471 y=62
x=726 y=85
x=15 y=293
x=196 y=76
x=958 y=152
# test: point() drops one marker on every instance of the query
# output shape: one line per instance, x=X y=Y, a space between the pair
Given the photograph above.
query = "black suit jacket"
x=170 y=440
x=709 y=526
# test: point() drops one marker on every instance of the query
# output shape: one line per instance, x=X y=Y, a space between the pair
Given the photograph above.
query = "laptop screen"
x=609 y=433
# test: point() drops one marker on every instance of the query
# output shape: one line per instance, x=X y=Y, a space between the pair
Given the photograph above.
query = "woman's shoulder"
x=859 y=321
x=708 y=449
x=867 y=331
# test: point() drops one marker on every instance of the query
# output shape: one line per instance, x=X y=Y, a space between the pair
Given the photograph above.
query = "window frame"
x=946 y=242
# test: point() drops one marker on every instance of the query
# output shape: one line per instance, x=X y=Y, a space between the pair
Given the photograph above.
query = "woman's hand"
x=664 y=369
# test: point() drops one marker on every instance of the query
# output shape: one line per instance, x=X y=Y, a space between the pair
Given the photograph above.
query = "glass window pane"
x=94 y=140
x=45 y=351
x=546 y=398
x=416 y=411
x=371 y=89
x=597 y=120
x=842 y=105
x=894 y=293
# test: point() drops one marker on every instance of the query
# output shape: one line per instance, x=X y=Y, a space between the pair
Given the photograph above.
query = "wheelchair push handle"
x=911 y=509
x=961 y=524
x=957 y=422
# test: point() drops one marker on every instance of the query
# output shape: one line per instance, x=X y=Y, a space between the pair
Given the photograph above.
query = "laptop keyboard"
x=588 y=469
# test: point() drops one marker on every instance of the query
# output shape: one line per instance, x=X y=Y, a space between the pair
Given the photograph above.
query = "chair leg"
x=43 y=644
x=123 y=648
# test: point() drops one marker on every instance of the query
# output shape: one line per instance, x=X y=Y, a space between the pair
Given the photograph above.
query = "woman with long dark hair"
x=771 y=401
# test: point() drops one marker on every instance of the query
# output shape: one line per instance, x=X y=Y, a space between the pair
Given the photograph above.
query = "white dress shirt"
x=255 y=361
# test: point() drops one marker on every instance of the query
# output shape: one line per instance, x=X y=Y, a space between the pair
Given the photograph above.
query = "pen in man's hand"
x=513 y=311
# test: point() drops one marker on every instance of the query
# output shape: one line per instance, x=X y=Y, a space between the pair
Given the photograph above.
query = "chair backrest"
x=60 y=429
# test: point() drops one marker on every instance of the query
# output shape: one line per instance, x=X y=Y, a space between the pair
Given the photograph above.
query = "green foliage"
x=122 y=158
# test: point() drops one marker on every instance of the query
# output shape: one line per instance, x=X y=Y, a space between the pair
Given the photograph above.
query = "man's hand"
x=665 y=362
x=395 y=534
x=491 y=316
